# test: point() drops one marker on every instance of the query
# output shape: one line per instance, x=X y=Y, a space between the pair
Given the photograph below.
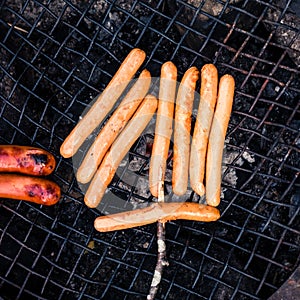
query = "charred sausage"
x=27 y=160
x=33 y=189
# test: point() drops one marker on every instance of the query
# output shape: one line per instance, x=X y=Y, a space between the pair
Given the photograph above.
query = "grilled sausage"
x=27 y=160
x=118 y=150
x=182 y=130
x=113 y=127
x=217 y=138
x=103 y=104
x=162 y=212
x=28 y=188
x=163 y=127
x=208 y=97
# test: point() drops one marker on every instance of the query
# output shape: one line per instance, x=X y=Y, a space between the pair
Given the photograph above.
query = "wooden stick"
x=161 y=245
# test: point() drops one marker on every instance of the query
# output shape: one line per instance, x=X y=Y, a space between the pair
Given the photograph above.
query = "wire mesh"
x=56 y=56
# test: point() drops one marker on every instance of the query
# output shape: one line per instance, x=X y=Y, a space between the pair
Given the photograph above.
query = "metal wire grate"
x=56 y=56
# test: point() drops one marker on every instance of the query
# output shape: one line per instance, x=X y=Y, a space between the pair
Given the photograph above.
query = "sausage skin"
x=182 y=131
x=217 y=138
x=26 y=160
x=162 y=212
x=163 y=126
x=103 y=104
x=118 y=150
x=113 y=127
x=33 y=189
x=208 y=98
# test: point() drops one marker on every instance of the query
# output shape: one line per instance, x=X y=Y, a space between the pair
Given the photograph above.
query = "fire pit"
x=56 y=56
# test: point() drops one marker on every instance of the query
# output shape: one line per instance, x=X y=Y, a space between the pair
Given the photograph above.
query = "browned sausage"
x=118 y=150
x=217 y=138
x=33 y=189
x=113 y=127
x=163 y=127
x=182 y=130
x=26 y=159
x=208 y=97
x=103 y=104
x=162 y=212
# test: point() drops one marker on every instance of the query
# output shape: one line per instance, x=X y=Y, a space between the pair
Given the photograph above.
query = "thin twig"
x=161 y=249
x=17 y=27
x=161 y=261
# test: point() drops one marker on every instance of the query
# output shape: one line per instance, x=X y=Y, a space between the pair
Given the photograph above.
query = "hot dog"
x=163 y=127
x=28 y=188
x=217 y=138
x=208 y=97
x=27 y=160
x=103 y=104
x=182 y=130
x=162 y=212
x=113 y=127
x=118 y=150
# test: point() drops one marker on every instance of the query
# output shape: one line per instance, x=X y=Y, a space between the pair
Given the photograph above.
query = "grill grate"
x=56 y=56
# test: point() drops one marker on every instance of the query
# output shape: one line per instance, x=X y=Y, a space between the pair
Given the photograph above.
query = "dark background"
x=56 y=56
